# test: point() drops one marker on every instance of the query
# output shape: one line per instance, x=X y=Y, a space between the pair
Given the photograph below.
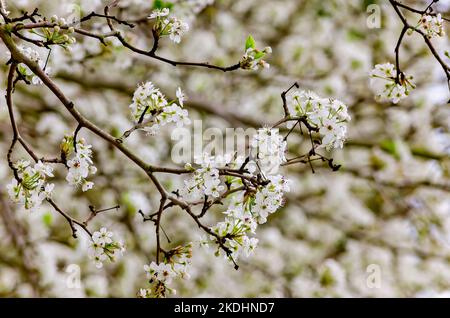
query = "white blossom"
x=432 y=25
x=180 y=96
x=171 y=26
x=176 y=29
x=103 y=247
x=80 y=166
x=153 y=111
x=158 y=13
x=386 y=85
x=329 y=116
x=102 y=237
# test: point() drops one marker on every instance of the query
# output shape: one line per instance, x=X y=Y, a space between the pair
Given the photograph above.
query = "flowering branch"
x=114 y=33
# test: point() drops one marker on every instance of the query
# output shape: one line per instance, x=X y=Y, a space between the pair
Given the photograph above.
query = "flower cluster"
x=80 y=164
x=151 y=109
x=253 y=58
x=60 y=33
x=269 y=148
x=32 y=187
x=147 y=101
x=270 y=198
x=234 y=231
x=328 y=116
x=175 y=264
x=103 y=247
x=244 y=214
x=247 y=208
x=432 y=25
x=173 y=27
x=25 y=71
x=388 y=85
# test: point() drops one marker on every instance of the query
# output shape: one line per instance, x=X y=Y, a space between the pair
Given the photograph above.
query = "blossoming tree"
x=92 y=101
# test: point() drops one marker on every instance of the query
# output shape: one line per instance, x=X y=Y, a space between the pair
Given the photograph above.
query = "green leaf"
x=390 y=147
x=355 y=35
x=159 y=4
x=259 y=55
x=47 y=219
x=250 y=43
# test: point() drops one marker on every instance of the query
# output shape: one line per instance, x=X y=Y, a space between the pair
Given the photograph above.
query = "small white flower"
x=87 y=185
x=102 y=237
x=158 y=13
x=81 y=165
x=180 y=96
x=95 y=249
x=165 y=273
x=44 y=169
x=181 y=270
x=177 y=29
x=151 y=269
x=144 y=293
x=161 y=272
x=249 y=245
x=48 y=189
x=150 y=106
x=99 y=259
